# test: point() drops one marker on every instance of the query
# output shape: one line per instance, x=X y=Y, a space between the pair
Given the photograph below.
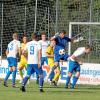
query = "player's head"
x=34 y=36
x=15 y=36
x=43 y=36
x=62 y=34
x=24 y=39
x=88 y=49
x=52 y=43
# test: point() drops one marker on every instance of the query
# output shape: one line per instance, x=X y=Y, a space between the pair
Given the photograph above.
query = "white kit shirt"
x=44 y=45
x=12 y=48
x=80 y=51
x=32 y=48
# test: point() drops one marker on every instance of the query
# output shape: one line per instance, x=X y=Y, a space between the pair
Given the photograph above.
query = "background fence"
x=49 y=16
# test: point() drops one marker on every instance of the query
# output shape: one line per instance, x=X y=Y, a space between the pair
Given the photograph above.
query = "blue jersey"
x=56 y=49
x=62 y=41
x=58 y=56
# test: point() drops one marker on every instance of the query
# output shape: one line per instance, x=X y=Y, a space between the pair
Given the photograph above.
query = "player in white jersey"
x=74 y=64
x=44 y=44
x=12 y=50
x=33 y=49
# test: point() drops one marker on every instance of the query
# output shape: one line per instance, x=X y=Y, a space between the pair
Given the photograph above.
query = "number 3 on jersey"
x=31 y=49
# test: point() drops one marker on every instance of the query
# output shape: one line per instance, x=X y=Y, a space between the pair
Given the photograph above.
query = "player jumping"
x=59 y=50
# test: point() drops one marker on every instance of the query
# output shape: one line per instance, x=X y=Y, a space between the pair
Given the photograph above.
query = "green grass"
x=81 y=93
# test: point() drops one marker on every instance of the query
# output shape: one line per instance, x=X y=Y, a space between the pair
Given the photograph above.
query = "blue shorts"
x=32 y=68
x=74 y=66
x=44 y=59
x=58 y=57
x=12 y=62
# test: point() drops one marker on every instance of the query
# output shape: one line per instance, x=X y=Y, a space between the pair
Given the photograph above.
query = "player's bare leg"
x=21 y=73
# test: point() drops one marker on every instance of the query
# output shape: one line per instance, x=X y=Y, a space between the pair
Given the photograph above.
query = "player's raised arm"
x=55 y=36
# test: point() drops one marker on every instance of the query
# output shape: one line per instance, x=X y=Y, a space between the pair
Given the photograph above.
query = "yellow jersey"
x=23 y=60
x=22 y=48
x=50 y=51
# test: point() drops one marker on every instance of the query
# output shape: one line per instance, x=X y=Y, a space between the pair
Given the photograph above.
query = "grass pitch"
x=51 y=93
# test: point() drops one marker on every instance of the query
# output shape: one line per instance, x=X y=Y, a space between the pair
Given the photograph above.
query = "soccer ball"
x=61 y=51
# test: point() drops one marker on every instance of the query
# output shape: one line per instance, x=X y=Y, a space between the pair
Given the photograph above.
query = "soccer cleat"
x=41 y=90
x=54 y=83
x=5 y=84
x=72 y=87
x=66 y=87
x=23 y=89
x=14 y=86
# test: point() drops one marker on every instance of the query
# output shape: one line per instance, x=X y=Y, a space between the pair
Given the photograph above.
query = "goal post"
x=90 y=32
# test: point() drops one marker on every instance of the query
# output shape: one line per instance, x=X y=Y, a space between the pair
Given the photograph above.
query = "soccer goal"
x=86 y=33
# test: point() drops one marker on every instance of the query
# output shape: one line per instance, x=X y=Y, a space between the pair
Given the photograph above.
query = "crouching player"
x=34 y=61
x=50 y=54
x=74 y=64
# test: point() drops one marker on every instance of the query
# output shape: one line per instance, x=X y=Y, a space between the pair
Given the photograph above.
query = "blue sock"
x=52 y=75
x=74 y=81
x=41 y=81
x=67 y=80
x=37 y=77
x=25 y=80
x=14 y=77
x=7 y=76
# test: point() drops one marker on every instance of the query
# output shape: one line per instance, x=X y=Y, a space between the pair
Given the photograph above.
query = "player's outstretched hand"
x=80 y=62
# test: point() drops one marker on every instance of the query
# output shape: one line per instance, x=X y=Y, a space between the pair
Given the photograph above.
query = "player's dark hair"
x=43 y=33
x=63 y=31
x=24 y=35
x=15 y=35
x=88 y=47
x=34 y=36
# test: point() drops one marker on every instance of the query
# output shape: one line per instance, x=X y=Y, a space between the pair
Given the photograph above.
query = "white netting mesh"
x=50 y=16
x=88 y=34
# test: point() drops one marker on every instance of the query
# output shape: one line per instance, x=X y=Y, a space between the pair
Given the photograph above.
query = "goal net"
x=44 y=15
x=86 y=33
x=24 y=16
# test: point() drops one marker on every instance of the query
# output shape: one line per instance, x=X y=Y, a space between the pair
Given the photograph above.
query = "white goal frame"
x=78 y=23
